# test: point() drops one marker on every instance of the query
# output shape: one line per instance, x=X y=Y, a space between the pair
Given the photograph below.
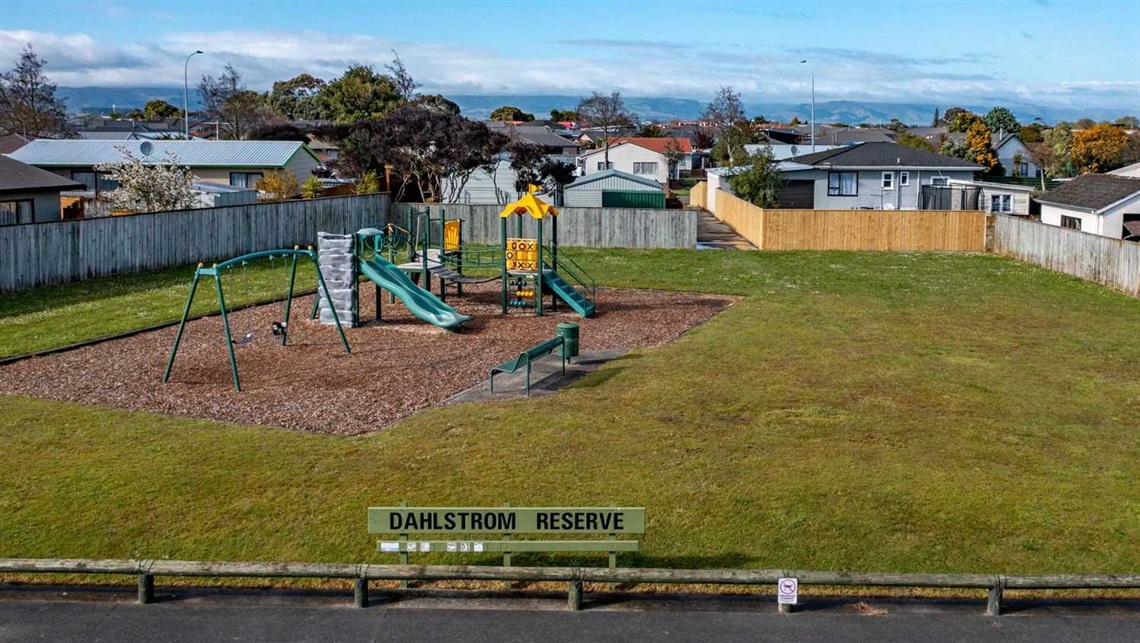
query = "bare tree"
x=729 y=121
x=28 y=104
x=606 y=112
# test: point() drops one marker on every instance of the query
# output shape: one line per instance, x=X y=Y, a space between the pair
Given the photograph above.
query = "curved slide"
x=422 y=303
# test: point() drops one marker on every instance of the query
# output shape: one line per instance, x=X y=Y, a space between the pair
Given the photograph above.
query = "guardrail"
x=362 y=574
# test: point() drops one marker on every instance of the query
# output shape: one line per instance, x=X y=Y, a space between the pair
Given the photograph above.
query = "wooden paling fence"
x=361 y=574
x=37 y=254
x=862 y=230
x=698 y=195
x=1112 y=262
x=585 y=227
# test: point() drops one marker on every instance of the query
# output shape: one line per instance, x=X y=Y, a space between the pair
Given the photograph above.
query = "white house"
x=1014 y=156
x=1096 y=203
x=644 y=157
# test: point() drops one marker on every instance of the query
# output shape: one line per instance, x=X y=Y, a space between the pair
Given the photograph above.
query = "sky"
x=1044 y=52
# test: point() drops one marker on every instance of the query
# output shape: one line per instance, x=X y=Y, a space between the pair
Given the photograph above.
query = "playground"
x=397 y=366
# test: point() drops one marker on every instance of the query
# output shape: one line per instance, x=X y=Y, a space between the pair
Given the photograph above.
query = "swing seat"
x=244 y=341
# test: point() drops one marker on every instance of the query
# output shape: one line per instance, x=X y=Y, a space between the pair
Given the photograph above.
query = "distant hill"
x=94 y=99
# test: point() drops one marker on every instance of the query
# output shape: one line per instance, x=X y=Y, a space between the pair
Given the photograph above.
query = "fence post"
x=360 y=592
x=993 y=602
x=574 y=595
x=146 y=588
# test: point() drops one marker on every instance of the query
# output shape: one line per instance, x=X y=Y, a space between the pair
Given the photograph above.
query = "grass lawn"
x=855 y=411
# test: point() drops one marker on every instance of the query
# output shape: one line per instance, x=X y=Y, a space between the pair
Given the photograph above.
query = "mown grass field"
x=853 y=411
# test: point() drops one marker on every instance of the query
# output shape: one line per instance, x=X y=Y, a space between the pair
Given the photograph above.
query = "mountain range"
x=102 y=99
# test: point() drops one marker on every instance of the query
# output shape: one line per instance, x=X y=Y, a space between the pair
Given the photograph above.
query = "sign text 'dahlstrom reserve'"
x=506 y=520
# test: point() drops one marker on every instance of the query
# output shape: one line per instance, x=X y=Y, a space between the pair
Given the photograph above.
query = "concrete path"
x=267 y=617
x=546 y=377
x=714 y=234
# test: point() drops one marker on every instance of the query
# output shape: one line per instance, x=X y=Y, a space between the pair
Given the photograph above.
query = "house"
x=614 y=189
x=11 y=142
x=29 y=194
x=784 y=151
x=879 y=176
x=643 y=157
x=1128 y=170
x=1001 y=198
x=237 y=163
x=1014 y=156
x=1098 y=203
x=541 y=135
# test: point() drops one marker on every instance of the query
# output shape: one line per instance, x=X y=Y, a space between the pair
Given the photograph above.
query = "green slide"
x=567 y=293
x=422 y=303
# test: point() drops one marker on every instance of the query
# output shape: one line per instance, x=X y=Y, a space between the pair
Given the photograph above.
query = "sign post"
x=787 y=593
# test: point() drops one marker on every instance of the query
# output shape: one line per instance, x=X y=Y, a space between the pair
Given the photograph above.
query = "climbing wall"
x=334 y=253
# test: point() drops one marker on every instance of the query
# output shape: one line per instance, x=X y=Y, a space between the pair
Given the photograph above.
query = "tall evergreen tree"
x=934 y=122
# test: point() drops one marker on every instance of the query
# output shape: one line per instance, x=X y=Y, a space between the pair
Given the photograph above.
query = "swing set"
x=278 y=328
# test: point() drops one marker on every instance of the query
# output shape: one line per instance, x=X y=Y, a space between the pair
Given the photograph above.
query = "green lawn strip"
x=866 y=412
x=55 y=316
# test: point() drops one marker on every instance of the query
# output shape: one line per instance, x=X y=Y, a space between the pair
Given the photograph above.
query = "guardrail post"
x=360 y=592
x=574 y=595
x=146 y=588
x=993 y=602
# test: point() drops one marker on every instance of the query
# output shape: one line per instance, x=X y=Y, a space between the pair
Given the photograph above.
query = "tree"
x=980 y=141
x=607 y=112
x=214 y=93
x=1031 y=133
x=703 y=139
x=937 y=120
x=1084 y=123
x=359 y=94
x=958 y=148
x=673 y=155
x=158 y=109
x=438 y=103
x=508 y=113
x=1127 y=122
x=962 y=120
x=1041 y=155
x=729 y=121
x=950 y=114
x=278 y=131
x=651 y=130
x=532 y=166
x=150 y=187
x=279 y=185
x=795 y=121
x=311 y=188
x=244 y=112
x=405 y=85
x=914 y=142
x=296 y=98
x=1099 y=148
x=760 y=182
x=1000 y=119
x=1059 y=140
x=28 y=104
x=1018 y=159
x=368 y=183
x=563 y=115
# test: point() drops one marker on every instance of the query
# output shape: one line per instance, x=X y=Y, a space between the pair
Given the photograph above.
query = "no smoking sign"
x=787 y=591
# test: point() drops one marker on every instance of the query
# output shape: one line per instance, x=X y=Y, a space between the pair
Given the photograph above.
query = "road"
x=26 y=616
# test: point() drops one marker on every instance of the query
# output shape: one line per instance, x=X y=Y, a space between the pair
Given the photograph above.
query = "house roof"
x=1128 y=170
x=1092 y=192
x=21 y=177
x=534 y=134
x=79 y=153
x=605 y=174
x=11 y=142
x=875 y=155
x=854 y=135
x=656 y=144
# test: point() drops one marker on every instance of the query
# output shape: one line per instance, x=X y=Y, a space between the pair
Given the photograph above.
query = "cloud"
x=678 y=70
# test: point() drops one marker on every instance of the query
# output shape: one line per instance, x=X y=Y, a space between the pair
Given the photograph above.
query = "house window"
x=1001 y=203
x=13 y=212
x=95 y=181
x=940 y=182
x=245 y=179
x=904 y=178
x=1072 y=223
x=1023 y=169
x=888 y=180
x=645 y=168
x=842 y=184
x=602 y=165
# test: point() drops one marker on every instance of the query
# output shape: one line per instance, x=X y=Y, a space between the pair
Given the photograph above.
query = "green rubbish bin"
x=568 y=331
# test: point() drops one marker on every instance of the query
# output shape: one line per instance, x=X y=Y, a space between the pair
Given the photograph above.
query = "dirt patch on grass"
x=397 y=366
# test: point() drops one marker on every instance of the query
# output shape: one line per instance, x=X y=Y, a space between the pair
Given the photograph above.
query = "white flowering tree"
x=150 y=186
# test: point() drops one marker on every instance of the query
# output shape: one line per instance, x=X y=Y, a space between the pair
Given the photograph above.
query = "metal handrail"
x=592 y=286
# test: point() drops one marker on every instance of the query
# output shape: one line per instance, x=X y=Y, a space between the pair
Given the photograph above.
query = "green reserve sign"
x=506 y=520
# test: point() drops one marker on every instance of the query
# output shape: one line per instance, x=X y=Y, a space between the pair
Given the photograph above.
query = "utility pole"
x=812 y=68
x=186 y=96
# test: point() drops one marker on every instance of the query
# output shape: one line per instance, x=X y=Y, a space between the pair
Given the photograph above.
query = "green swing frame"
x=215 y=271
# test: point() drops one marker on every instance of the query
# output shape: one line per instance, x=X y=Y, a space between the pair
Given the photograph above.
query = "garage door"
x=798 y=195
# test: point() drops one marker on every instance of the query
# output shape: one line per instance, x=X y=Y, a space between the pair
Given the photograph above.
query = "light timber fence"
x=37 y=254
x=361 y=574
x=862 y=230
x=698 y=195
x=1111 y=262
x=586 y=227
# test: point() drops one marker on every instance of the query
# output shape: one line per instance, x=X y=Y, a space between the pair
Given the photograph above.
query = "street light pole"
x=812 y=68
x=186 y=96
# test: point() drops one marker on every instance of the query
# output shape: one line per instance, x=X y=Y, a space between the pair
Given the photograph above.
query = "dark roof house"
x=1092 y=192
x=29 y=194
x=882 y=155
